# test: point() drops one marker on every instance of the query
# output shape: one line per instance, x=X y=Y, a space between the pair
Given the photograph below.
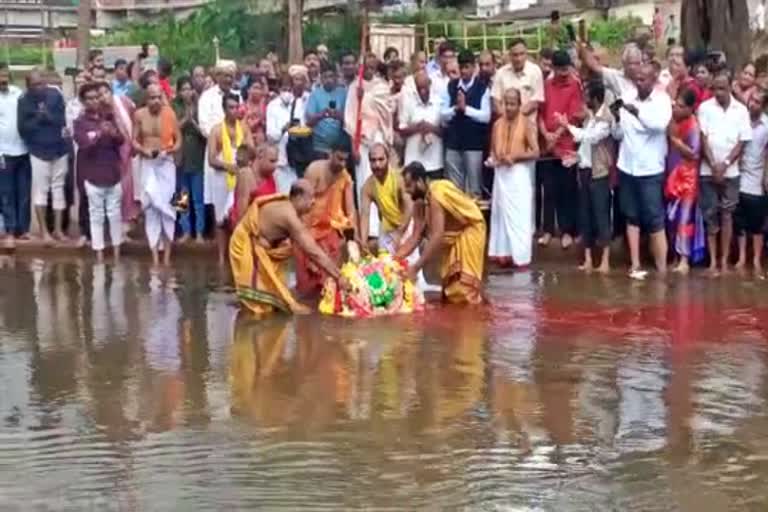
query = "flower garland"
x=378 y=288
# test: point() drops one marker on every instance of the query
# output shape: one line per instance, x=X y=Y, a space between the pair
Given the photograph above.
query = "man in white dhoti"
x=156 y=139
x=211 y=112
x=223 y=142
x=514 y=148
x=373 y=101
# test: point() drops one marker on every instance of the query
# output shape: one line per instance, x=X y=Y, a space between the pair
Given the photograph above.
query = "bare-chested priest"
x=262 y=243
x=332 y=214
x=156 y=139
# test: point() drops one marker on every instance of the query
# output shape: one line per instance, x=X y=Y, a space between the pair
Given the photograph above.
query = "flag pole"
x=363 y=50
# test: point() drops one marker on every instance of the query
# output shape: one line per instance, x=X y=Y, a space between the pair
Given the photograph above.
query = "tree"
x=83 y=32
x=717 y=25
x=295 y=45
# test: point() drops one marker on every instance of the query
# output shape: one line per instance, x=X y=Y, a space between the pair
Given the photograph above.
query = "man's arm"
x=204 y=115
x=27 y=118
x=312 y=113
x=349 y=206
x=589 y=60
x=435 y=238
x=482 y=114
x=365 y=210
x=137 y=140
x=410 y=244
x=446 y=110
x=213 y=152
x=302 y=237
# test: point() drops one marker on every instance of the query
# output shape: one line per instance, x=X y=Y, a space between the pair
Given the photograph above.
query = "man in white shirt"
x=210 y=112
x=752 y=211
x=441 y=77
x=725 y=127
x=15 y=170
x=283 y=112
x=760 y=16
x=520 y=74
x=420 y=127
x=642 y=128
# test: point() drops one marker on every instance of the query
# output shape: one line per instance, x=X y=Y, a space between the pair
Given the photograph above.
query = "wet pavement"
x=126 y=389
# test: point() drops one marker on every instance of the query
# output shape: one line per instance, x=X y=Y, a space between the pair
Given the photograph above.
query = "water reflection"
x=146 y=390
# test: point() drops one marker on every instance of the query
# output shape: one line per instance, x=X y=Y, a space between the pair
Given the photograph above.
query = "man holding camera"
x=325 y=111
x=642 y=129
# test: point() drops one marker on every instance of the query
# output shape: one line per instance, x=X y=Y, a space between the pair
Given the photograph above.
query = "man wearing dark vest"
x=466 y=114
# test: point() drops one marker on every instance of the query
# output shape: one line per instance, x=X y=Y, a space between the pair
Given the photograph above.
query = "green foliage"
x=613 y=32
x=241 y=33
x=25 y=55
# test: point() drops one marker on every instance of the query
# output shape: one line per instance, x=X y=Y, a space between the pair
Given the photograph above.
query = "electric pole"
x=83 y=32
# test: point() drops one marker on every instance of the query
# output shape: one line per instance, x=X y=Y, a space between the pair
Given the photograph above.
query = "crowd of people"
x=407 y=154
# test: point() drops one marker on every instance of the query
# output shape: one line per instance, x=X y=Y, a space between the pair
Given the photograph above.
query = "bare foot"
x=184 y=240
x=117 y=254
x=566 y=241
x=545 y=239
x=682 y=269
x=301 y=309
x=586 y=266
x=23 y=236
x=712 y=271
x=61 y=237
x=81 y=242
x=167 y=258
x=200 y=240
x=740 y=265
x=48 y=240
x=603 y=269
x=726 y=270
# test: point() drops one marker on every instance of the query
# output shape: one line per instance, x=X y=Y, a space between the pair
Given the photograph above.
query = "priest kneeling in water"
x=451 y=221
x=261 y=245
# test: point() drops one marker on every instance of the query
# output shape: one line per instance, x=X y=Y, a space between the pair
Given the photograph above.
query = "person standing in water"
x=156 y=140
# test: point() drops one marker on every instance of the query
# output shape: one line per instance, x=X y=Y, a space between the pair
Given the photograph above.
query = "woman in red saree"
x=684 y=219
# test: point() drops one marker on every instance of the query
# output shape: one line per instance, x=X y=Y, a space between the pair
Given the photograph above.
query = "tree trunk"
x=717 y=25
x=83 y=32
x=295 y=44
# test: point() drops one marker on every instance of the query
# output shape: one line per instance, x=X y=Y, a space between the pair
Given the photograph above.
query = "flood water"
x=124 y=389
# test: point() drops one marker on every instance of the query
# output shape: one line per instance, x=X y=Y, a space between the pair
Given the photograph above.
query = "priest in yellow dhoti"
x=261 y=245
x=451 y=221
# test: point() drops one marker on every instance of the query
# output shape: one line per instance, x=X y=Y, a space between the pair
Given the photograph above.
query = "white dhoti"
x=136 y=173
x=221 y=196
x=512 y=223
x=285 y=176
x=158 y=184
x=361 y=174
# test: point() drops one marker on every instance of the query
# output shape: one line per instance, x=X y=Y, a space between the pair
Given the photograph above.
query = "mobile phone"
x=332 y=105
x=616 y=105
x=155 y=153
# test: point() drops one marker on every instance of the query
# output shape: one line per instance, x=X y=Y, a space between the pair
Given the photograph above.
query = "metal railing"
x=484 y=35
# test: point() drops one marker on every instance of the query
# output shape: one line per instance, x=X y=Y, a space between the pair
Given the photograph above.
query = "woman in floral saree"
x=684 y=219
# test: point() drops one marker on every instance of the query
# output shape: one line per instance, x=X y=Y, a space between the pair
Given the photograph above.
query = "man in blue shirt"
x=41 y=123
x=122 y=84
x=325 y=111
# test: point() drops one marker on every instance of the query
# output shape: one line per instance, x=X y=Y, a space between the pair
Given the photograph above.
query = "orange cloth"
x=508 y=137
x=168 y=125
x=326 y=222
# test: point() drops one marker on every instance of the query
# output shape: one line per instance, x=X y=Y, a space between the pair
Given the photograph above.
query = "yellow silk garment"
x=258 y=271
x=462 y=267
x=227 y=154
x=387 y=200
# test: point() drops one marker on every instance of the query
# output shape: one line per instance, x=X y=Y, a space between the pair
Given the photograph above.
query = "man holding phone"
x=325 y=111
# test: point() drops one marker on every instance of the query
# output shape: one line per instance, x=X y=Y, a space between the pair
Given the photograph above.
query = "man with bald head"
x=642 y=129
x=486 y=64
x=261 y=245
x=420 y=126
x=41 y=123
x=156 y=139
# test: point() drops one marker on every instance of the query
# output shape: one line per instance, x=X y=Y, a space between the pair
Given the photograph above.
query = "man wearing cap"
x=562 y=96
